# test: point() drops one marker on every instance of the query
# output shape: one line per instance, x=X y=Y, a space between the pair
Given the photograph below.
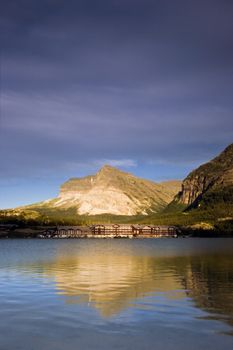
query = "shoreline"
x=106 y=231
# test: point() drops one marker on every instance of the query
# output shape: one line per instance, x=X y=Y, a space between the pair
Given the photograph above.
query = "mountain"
x=209 y=185
x=112 y=191
x=111 y=194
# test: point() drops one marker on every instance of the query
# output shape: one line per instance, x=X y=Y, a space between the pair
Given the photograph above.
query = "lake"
x=116 y=294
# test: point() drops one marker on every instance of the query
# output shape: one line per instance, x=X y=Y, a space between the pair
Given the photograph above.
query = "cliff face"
x=213 y=176
x=113 y=191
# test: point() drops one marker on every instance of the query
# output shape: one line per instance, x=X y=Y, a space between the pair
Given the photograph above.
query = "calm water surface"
x=116 y=294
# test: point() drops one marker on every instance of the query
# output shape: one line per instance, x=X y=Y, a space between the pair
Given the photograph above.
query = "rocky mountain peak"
x=215 y=174
x=225 y=157
x=108 y=170
x=107 y=167
x=113 y=191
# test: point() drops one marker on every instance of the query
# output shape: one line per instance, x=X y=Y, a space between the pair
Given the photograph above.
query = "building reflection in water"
x=111 y=280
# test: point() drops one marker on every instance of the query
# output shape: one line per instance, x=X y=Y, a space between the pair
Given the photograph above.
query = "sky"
x=144 y=85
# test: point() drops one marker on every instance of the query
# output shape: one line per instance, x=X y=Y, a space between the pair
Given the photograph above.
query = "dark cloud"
x=126 y=81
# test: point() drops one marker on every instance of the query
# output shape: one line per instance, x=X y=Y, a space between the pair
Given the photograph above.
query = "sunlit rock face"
x=112 y=191
x=99 y=200
x=212 y=177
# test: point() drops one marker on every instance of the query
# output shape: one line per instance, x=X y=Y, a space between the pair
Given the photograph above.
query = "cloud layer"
x=135 y=83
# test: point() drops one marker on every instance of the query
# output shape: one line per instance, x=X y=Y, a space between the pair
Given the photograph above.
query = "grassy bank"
x=198 y=221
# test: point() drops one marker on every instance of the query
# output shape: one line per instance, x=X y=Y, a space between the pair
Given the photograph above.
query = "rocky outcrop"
x=112 y=191
x=212 y=176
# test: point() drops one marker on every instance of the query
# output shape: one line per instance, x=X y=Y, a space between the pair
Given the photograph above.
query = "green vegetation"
x=218 y=218
x=174 y=207
x=221 y=200
x=212 y=212
x=215 y=213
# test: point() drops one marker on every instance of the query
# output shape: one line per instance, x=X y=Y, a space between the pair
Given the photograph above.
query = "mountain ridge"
x=210 y=178
x=113 y=191
x=203 y=203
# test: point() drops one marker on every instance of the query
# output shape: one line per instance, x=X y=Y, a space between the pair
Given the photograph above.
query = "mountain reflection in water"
x=112 y=276
x=123 y=294
x=110 y=282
